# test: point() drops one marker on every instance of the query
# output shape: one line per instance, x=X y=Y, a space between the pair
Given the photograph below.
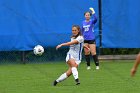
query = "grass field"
x=113 y=77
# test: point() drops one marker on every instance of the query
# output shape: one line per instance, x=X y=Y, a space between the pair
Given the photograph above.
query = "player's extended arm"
x=134 y=68
x=93 y=13
x=67 y=44
x=95 y=19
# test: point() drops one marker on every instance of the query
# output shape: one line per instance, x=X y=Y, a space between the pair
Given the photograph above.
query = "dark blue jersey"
x=88 y=28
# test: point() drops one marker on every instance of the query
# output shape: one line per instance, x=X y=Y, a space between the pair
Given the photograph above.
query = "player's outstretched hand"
x=92 y=10
x=58 y=46
x=87 y=48
x=133 y=71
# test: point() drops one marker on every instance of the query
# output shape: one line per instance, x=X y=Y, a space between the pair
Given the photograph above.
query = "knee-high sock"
x=74 y=72
x=95 y=58
x=62 y=77
x=87 y=57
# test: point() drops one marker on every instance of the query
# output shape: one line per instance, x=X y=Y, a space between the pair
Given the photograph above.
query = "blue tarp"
x=26 y=23
x=121 y=20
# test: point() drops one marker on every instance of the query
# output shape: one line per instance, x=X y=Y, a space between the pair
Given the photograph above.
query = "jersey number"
x=86 y=28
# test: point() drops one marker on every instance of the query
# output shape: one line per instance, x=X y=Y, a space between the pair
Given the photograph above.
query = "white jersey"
x=75 y=50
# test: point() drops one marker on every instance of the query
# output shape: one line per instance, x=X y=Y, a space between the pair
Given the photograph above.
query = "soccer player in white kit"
x=74 y=55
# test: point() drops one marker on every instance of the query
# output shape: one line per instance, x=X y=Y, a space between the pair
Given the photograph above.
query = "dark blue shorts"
x=90 y=41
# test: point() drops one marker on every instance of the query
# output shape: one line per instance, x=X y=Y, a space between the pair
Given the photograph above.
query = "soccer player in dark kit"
x=89 y=37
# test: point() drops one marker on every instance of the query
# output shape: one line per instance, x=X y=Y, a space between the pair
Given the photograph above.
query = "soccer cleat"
x=88 y=68
x=77 y=81
x=97 y=67
x=54 y=83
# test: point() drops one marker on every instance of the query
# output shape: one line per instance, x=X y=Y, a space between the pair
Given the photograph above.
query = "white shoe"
x=97 y=67
x=88 y=68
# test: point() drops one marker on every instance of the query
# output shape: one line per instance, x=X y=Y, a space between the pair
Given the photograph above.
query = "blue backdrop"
x=121 y=23
x=26 y=23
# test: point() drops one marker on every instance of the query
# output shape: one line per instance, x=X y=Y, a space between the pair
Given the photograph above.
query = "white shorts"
x=69 y=56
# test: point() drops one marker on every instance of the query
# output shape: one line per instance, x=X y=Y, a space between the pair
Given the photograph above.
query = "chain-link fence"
x=22 y=57
x=53 y=55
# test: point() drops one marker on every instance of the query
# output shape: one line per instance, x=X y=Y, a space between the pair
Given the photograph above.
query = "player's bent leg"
x=61 y=78
x=69 y=72
x=74 y=70
x=75 y=75
x=71 y=62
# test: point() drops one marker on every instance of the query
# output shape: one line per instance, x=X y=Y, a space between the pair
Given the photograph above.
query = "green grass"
x=113 y=77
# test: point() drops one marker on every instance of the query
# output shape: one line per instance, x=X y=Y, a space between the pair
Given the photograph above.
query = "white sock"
x=62 y=77
x=74 y=72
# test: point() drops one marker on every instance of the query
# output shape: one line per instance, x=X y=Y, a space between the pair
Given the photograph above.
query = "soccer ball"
x=38 y=50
